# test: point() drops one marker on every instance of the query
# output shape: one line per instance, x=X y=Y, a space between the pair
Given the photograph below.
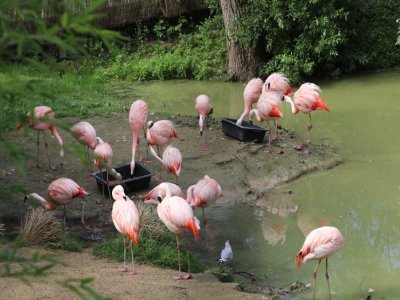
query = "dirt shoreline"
x=245 y=171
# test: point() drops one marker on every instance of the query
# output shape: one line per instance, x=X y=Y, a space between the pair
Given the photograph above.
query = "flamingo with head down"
x=41 y=121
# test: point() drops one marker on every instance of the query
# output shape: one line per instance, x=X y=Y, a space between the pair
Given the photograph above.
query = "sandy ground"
x=245 y=171
x=150 y=283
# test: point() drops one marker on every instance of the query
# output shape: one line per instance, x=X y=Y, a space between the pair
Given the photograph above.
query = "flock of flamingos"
x=173 y=210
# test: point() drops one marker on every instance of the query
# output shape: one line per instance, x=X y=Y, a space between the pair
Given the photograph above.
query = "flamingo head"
x=150 y=124
x=118 y=193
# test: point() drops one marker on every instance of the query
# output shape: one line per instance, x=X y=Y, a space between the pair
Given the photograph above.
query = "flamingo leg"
x=83 y=212
x=179 y=258
x=37 y=149
x=133 y=266
x=147 y=149
x=276 y=129
x=88 y=158
x=101 y=174
x=189 y=275
x=309 y=127
x=47 y=149
x=269 y=133
x=64 y=221
x=205 y=226
x=109 y=191
x=315 y=278
x=327 y=279
x=124 y=269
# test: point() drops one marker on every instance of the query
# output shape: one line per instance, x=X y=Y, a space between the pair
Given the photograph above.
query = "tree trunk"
x=242 y=63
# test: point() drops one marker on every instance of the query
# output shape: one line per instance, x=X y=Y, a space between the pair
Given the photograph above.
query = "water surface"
x=361 y=197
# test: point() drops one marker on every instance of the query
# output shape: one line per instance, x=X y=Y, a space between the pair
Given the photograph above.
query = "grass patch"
x=67 y=243
x=224 y=274
x=157 y=245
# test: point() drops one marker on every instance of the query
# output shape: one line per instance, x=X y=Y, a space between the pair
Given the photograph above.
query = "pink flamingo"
x=268 y=108
x=137 y=120
x=251 y=93
x=62 y=191
x=154 y=194
x=126 y=219
x=203 y=194
x=159 y=133
x=277 y=83
x=85 y=134
x=171 y=160
x=204 y=108
x=103 y=154
x=319 y=244
x=306 y=99
x=41 y=121
x=178 y=216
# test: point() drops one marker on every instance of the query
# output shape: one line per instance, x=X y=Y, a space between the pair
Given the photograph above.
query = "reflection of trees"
x=273 y=210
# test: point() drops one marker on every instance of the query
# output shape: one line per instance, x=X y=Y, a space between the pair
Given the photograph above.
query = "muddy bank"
x=245 y=171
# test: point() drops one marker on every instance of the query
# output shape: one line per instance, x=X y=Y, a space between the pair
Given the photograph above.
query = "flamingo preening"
x=160 y=133
x=85 y=134
x=251 y=93
x=171 y=160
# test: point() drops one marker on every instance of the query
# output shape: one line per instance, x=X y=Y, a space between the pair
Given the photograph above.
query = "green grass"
x=67 y=243
x=159 y=253
x=224 y=274
x=75 y=93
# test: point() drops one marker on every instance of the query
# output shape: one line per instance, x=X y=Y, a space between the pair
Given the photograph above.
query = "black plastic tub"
x=140 y=179
x=247 y=132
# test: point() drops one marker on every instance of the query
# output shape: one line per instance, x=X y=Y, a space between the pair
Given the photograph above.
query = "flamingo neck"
x=189 y=195
x=163 y=190
x=292 y=105
x=40 y=200
x=134 y=145
x=59 y=141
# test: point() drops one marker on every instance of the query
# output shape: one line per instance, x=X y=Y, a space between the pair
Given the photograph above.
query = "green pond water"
x=361 y=197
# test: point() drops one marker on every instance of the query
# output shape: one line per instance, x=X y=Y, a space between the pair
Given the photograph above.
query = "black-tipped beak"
x=201 y=133
x=25 y=198
x=159 y=199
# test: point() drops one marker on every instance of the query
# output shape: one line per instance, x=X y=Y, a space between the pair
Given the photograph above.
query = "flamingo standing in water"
x=171 y=160
x=319 y=244
x=154 y=194
x=178 y=216
x=126 y=219
x=251 y=93
x=41 y=121
x=159 y=133
x=204 y=108
x=268 y=108
x=203 y=194
x=62 y=191
x=306 y=99
x=137 y=120
x=85 y=134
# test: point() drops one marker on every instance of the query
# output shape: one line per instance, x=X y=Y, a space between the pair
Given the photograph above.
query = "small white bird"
x=226 y=253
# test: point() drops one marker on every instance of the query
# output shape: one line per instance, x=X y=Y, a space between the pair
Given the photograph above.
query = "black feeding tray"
x=140 y=179
x=247 y=132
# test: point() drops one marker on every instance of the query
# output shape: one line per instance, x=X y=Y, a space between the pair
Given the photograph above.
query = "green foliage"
x=67 y=243
x=158 y=252
x=224 y=274
x=81 y=289
x=304 y=38
x=24 y=268
x=199 y=55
